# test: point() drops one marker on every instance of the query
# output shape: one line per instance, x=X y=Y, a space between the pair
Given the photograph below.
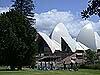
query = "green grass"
x=30 y=72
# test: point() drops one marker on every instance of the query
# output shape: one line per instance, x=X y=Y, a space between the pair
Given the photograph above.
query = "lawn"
x=30 y=72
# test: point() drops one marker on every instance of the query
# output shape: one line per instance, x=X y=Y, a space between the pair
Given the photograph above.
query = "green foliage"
x=90 y=66
x=92 y=9
x=91 y=56
x=17 y=40
x=25 y=7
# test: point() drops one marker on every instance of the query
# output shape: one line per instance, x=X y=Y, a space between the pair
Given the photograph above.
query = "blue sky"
x=46 y=5
x=75 y=6
x=64 y=5
x=51 y=12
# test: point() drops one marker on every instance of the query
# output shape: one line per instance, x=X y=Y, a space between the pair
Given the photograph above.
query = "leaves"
x=17 y=39
x=91 y=55
x=92 y=9
x=26 y=8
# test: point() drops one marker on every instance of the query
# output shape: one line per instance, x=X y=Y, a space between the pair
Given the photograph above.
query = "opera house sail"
x=61 y=47
x=89 y=38
x=47 y=43
x=60 y=32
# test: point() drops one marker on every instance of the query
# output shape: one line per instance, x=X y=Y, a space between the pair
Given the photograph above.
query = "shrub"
x=91 y=66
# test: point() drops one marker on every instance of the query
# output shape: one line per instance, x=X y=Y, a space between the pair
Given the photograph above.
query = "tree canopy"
x=25 y=7
x=17 y=36
x=17 y=39
x=92 y=9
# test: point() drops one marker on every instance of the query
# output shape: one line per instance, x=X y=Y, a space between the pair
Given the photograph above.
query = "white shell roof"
x=53 y=46
x=81 y=46
x=59 y=46
x=61 y=31
x=86 y=39
x=71 y=43
x=58 y=32
x=97 y=40
x=87 y=36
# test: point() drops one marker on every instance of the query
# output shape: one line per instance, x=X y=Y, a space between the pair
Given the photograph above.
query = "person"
x=64 y=65
x=72 y=64
x=76 y=66
x=51 y=66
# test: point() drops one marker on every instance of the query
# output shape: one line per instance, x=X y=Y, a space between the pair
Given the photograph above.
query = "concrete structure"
x=89 y=38
x=53 y=45
x=60 y=47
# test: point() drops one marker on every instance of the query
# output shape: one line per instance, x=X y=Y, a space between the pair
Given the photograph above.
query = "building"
x=89 y=38
x=60 y=47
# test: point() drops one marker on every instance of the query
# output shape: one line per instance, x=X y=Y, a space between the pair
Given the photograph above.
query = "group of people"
x=73 y=66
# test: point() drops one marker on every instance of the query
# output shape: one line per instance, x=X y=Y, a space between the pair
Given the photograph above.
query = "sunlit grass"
x=57 y=72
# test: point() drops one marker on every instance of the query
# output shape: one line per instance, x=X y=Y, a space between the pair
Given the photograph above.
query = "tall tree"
x=17 y=40
x=26 y=7
x=92 y=9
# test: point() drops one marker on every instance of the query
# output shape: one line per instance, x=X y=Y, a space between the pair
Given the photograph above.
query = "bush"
x=91 y=66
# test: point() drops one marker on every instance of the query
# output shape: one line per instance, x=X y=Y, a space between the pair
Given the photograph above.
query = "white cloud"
x=4 y=9
x=46 y=22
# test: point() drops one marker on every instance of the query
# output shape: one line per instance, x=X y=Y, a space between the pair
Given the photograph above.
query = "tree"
x=92 y=9
x=17 y=40
x=91 y=56
x=25 y=7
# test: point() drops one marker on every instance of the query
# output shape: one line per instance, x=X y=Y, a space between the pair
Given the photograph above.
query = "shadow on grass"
x=8 y=70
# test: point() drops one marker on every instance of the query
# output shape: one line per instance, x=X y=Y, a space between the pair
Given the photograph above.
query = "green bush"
x=91 y=66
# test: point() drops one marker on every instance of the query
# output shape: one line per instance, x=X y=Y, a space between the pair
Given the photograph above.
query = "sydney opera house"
x=60 y=47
